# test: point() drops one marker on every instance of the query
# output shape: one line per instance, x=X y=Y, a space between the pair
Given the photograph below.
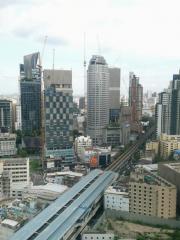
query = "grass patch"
x=34 y=165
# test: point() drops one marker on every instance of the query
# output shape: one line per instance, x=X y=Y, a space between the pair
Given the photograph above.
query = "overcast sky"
x=142 y=36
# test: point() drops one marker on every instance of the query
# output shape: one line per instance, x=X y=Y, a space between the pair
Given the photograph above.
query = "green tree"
x=22 y=152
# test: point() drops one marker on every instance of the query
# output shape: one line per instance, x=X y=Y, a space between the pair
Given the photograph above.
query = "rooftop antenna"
x=43 y=49
x=85 y=65
x=53 y=65
x=53 y=58
x=98 y=45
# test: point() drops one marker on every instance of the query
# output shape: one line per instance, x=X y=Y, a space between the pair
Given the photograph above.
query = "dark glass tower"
x=30 y=91
x=175 y=105
x=5 y=115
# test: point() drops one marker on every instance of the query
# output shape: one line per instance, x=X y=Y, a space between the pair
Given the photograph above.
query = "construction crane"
x=42 y=107
x=84 y=65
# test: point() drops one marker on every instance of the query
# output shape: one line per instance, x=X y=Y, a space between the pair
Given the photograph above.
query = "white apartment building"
x=18 y=123
x=18 y=170
x=98 y=236
x=81 y=143
x=7 y=144
x=117 y=199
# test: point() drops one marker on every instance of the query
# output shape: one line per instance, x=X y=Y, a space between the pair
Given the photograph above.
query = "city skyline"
x=124 y=32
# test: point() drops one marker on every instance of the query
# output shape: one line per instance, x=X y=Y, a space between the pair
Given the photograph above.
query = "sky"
x=142 y=36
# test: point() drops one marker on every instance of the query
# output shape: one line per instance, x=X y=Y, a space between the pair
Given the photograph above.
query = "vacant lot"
x=125 y=229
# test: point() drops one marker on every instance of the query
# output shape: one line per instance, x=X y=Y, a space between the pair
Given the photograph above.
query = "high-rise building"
x=5 y=115
x=175 y=105
x=168 y=109
x=82 y=103
x=114 y=94
x=97 y=98
x=135 y=97
x=30 y=94
x=58 y=114
x=163 y=113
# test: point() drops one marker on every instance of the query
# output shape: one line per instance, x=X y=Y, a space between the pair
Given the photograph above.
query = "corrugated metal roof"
x=49 y=223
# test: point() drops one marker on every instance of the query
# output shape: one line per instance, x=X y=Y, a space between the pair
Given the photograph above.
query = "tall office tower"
x=58 y=114
x=135 y=97
x=5 y=115
x=82 y=103
x=114 y=94
x=30 y=94
x=163 y=113
x=97 y=98
x=168 y=109
x=175 y=106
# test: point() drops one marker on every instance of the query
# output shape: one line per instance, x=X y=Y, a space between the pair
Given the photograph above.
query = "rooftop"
x=117 y=191
x=69 y=173
x=144 y=176
x=9 y=222
x=174 y=166
x=62 y=215
x=7 y=136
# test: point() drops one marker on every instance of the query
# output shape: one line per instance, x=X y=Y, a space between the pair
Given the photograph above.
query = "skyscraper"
x=5 y=115
x=168 y=109
x=163 y=113
x=175 y=105
x=58 y=114
x=135 y=97
x=30 y=94
x=114 y=94
x=97 y=98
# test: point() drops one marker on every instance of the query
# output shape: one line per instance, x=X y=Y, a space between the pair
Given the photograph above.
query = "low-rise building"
x=17 y=170
x=111 y=135
x=48 y=192
x=116 y=135
x=67 y=178
x=97 y=157
x=168 y=143
x=116 y=198
x=7 y=228
x=98 y=236
x=153 y=146
x=7 y=144
x=81 y=143
x=151 y=195
x=5 y=185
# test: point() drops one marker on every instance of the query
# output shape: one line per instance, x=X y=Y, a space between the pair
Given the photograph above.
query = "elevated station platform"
x=65 y=218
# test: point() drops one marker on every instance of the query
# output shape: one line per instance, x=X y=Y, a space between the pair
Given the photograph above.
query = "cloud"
x=136 y=33
x=7 y=3
x=55 y=40
x=22 y=32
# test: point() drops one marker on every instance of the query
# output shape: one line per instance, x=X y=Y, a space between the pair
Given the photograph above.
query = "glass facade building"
x=58 y=104
x=30 y=93
x=5 y=115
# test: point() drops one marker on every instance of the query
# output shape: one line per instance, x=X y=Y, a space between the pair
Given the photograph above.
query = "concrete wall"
x=141 y=218
x=171 y=176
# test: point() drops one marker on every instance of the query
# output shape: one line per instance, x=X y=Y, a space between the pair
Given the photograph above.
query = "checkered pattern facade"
x=58 y=119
